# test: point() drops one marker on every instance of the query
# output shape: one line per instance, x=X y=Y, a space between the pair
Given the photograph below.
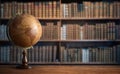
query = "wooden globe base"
x=23 y=67
x=24 y=61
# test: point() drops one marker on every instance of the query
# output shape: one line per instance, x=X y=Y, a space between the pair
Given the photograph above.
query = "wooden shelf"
x=75 y=18
x=72 y=18
x=49 y=41
x=57 y=47
x=37 y=18
x=89 y=63
x=71 y=41
x=89 y=40
x=63 y=63
x=75 y=63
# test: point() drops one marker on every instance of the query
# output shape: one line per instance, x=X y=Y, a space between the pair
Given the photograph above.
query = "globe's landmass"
x=24 y=30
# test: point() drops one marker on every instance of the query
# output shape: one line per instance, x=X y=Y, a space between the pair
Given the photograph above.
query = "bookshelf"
x=74 y=32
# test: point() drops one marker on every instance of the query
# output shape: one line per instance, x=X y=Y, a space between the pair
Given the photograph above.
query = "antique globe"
x=24 y=31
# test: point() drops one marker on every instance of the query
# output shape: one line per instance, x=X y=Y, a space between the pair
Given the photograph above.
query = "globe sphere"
x=24 y=30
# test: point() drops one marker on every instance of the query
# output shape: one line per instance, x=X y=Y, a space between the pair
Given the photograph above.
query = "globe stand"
x=24 y=64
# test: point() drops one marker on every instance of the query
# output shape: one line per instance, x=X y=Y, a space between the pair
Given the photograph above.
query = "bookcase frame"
x=59 y=42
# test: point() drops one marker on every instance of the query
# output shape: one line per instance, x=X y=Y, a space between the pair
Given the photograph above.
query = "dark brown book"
x=43 y=10
x=46 y=9
x=111 y=10
x=115 y=9
x=58 y=9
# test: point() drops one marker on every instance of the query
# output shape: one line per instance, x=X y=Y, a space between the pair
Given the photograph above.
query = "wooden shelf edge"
x=72 y=18
x=71 y=41
x=63 y=63
x=75 y=18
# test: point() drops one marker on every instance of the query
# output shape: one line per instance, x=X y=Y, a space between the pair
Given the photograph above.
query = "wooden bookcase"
x=74 y=32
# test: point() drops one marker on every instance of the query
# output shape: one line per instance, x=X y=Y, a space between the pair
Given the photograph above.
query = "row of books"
x=39 y=54
x=50 y=30
x=88 y=9
x=40 y=9
x=90 y=30
x=48 y=54
x=90 y=54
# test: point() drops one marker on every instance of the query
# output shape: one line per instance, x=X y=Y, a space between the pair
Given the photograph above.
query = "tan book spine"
x=84 y=32
x=82 y=11
x=114 y=31
x=54 y=9
x=85 y=3
x=50 y=9
x=89 y=9
x=62 y=6
x=108 y=29
x=52 y=26
x=35 y=9
x=106 y=33
x=102 y=31
x=46 y=31
x=43 y=31
x=29 y=8
x=97 y=9
x=72 y=8
x=87 y=30
x=72 y=32
x=97 y=31
x=32 y=9
x=81 y=32
x=108 y=9
x=93 y=31
x=39 y=10
x=111 y=10
x=105 y=9
x=69 y=10
x=76 y=11
x=111 y=32
x=58 y=28
x=100 y=9
x=77 y=31
x=90 y=33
